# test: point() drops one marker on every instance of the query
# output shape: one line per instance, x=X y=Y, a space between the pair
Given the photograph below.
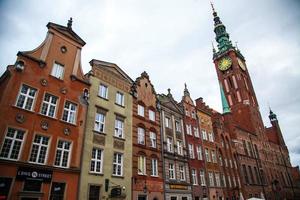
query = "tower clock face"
x=241 y=64
x=224 y=63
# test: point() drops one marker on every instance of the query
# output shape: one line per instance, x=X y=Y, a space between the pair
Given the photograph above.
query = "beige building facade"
x=107 y=155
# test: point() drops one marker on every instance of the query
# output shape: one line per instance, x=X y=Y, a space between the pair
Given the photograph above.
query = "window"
x=119 y=127
x=173 y=198
x=245 y=174
x=57 y=191
x=118 y=164
x=229 y=180
x=5 y=185
x=226 y=163
x=141 y=110
x=171 y=171
x=204 y=135
x=177 y=126
x=154 y=168
x=211 y=179
x=12 y=144
x=179 y=147
x=94 y=192
x=193 y=115
x=167 y=121
x=251 y=174
x=152 y=115
x=142 y=165
x=103 y=91
x=223 y=180
x=234 y=181
x=141 y=136
x=63 y=152
x=191 y=151
x=199 y=152
x=32 y=185
x=120 y=98
x=230 y=163
x=169 y=144
x=220 y=160
x=57 y=71
x=235 y=165
x=202 y=177
x=189 y=129
x=49 y=105
x=99 y=122
x=210 y=137
x=39 y=149
x=96 y=160
x=194 y=177
x=196 y=132
x=152 y=139
x=217 y=176
x=213 y=156
x=26 y=97
x=207 y=155
x=187 y=113
x=69 y=114
x=182 y=172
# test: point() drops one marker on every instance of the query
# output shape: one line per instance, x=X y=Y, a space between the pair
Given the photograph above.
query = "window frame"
x=142 y=165
x=153 y=140
x=62 y=73
x=119 y=127
x=101 y=123
x=70 y=111
x=63 y=150
x=40 y=145
x=96 y=161
x=141 y=110
x=26 y=97
x=118 y=163
x=121 y=98
x=100 y=91
x=151 y=115
x=155 y=169
x=141 y=136
x=49 y=104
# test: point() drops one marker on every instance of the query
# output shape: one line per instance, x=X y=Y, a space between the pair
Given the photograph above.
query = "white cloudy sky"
x=171 y=40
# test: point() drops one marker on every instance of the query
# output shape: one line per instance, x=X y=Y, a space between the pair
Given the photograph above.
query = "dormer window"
x=57 y=70
x=20 y=65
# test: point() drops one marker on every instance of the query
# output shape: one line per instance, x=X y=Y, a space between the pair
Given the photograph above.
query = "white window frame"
x=199 y=152
x=193 y=115
x=99 y=124
x=170 y=144
x=204 y=135
x=168 y=122
x=71 y=114
x=196 y=132
x=211 y=179
x=58 y=70
x=182 y=172
x=120 y=98
x=210 y=137
x=142 y=165
x=38 y=146
x=63 y=150
x=207 y=155
x=153 y=139
x=27 y=97
x=202 y=177
x=224 y=180
x=213 y=156
x=194 y=177
x=172 y=171
x=151 y=115
x=117 y=164
x=154 y=167
x=119 y=128
x=180 y=147
x=189 y=129
x=141 y=110
x=218 y=181
x=97 y=159
x=229 y=180
x=15 y=141
x=48 y=105
x=177 y=126
x=191 y=151
x=103 y=91
x=141 y=136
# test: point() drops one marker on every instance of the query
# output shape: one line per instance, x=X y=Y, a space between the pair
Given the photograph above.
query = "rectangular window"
x=204 y=135
x=12 y=144
x=234 y=181
x=211 y=137
x=167 y=121
x=63 y=152
x=152 y=139
x=193 y=115
x=234 y=82
x=32 y=185
x=177 y=126
x=245 y=173
x=103 y=91
x=96 y=161
x=191 y=151
x=152 y=115
x=154 y=167
x=171 y=171
x=202 y=177
x=57 y=191
x=251 y=174
x=118 y=164
x=230 y=163
x=120 y=98
x=217 y=176
x=213 y=156
x=196 y=132
x=229 y=180
x=58 y=71
x=142 y=165
x=189 y=129
x=141 y=136
x=26 y=97
x=69 y=114
x=207 y=155
x=39 y=149
x=119 y=127
x=94 y=192
x=211 y=179
x=49 y=105
x=5 y=185
x=141 y=110
x=179 y=147
x=169 y=144
x=199 y=152
x=173 y=198
x=226 y=163
x=182 y=172
x=99 y=122
x=194 y=177
x=224 y=180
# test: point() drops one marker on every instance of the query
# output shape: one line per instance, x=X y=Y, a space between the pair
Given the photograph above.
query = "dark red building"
x=43 y=100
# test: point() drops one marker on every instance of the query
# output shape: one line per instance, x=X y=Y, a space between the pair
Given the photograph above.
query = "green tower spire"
x=225 y=105
x=222 y=37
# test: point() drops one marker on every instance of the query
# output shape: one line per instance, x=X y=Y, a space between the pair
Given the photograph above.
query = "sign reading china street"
x=34 y=174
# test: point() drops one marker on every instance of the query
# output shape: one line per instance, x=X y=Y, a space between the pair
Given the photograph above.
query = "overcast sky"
x=171 y=40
